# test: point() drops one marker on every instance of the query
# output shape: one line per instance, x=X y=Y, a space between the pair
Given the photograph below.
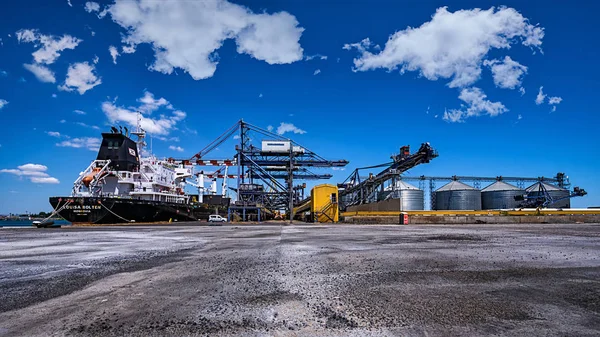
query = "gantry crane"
x=265 y=178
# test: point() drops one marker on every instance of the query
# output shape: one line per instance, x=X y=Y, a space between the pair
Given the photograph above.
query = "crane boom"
x=354 y=191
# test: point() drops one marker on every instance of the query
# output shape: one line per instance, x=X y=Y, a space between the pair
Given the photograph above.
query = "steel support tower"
x=267 y=178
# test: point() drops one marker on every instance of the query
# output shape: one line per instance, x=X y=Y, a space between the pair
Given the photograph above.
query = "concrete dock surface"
x=301 y=280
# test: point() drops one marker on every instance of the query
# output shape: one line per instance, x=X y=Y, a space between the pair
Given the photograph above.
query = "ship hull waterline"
x=93 y=210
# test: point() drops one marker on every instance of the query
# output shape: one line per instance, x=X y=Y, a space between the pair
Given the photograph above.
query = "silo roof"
x=500 y=186
x=536 y=187
x=456 y=186
x=401 y=185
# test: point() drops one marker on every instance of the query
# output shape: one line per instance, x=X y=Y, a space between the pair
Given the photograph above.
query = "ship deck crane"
x=354 y=191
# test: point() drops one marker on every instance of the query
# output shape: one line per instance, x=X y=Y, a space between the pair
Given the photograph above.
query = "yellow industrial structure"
x=323 y=205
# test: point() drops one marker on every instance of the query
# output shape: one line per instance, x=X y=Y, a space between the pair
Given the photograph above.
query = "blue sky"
x=261 y=61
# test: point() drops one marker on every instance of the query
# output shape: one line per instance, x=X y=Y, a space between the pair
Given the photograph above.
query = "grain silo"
x=500 y=195
x=457 y=196
x=536 y=190
x=411 y=198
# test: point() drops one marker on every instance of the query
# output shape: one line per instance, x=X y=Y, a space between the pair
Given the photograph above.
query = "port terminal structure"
x=356 y=190
x=267 y=174
x=271 y=174
x=428 y=184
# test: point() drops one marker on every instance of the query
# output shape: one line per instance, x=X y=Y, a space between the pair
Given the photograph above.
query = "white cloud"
x=507 y=73
x=554 y=100
x=316 y=56
x=157 y=126
x=96 y=59
x=45 y=180
x=318 y=71
x=260 y=95
x=452 y=45
x=168 y=139
x=477 y=105
x=54 y=95
x=42 y=73
x=69 y=3
x=540 y=97
x=270 y=128
x=80 y=77
x=53 y=134
x=288 y=127
x=33 y=167
x=113 y=53
x=3 y=73
x=51 y=45
x=553 y=108
x=79 y=112
x=36 y=173
x=236 y=137
x=191 y=40
x=90 y=143
x=150 y=104
x=519 y=117
x=338 y=168
x=522 y=91
x=176 y=148
x=62 y=121
x=128 y=49
x=3 y=103
x=87 y=126
x=91 y=6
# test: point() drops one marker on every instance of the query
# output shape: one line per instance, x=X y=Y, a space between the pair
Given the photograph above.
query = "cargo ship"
x=126 y=185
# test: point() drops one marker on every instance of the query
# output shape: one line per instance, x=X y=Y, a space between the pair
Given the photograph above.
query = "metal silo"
x=500 y=195
x=555 y=192
x=411 y=198
x=457 y=196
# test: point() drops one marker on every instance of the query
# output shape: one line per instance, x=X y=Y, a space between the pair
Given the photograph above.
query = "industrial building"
x=267 y=186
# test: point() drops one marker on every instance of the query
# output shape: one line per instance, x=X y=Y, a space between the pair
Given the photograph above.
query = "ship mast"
x=140 y=133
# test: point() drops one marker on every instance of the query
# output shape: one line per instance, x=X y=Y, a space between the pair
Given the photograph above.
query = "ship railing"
x=104 y=168
x=85 y=172
x=79 y=182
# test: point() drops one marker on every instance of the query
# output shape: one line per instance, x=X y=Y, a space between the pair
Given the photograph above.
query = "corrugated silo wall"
x=500 y=199
x=411 y=202
x=458 y=200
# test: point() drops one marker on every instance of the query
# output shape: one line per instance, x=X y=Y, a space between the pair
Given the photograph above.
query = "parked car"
x=216 y=218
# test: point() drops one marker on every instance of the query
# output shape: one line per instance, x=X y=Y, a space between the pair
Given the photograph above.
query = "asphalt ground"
x=336 y=280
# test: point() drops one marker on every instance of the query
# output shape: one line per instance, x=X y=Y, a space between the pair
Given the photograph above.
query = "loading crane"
x=543 y=199
x=265 y=173
x=354 y=190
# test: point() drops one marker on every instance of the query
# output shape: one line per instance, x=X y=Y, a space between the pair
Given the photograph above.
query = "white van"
x=216 y=218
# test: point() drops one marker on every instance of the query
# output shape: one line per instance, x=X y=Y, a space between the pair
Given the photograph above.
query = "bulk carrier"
x=122 y=185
